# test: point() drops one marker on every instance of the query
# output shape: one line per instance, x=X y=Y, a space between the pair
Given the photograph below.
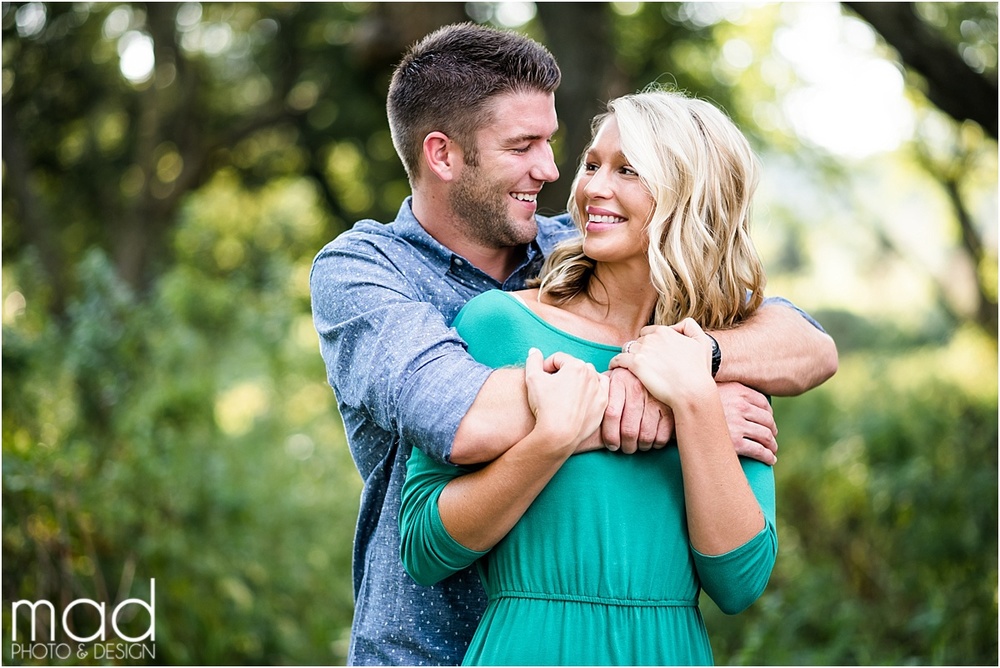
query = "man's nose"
x=545 y=168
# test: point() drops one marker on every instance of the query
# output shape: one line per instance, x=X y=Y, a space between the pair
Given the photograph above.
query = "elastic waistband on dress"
x=597 y=600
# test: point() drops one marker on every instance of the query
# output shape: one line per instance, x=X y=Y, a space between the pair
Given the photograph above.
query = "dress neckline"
x=517 y=299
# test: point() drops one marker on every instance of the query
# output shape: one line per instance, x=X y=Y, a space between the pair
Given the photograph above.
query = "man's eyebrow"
x=528 y=137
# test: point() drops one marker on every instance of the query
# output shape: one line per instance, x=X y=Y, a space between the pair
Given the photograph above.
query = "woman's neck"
x=621 y=297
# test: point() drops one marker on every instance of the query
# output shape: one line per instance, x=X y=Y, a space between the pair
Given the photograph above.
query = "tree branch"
x=951 y=84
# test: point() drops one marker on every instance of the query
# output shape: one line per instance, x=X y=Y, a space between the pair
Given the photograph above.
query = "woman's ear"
x=442 y=155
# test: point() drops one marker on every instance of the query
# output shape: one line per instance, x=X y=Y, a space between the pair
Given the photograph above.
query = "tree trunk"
x=578 y=35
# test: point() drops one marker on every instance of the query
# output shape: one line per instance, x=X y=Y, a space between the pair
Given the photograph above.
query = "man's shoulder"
x=561 y=222
x=364 y=233
x=555 y=229
x=368 y=248
x=368 y=241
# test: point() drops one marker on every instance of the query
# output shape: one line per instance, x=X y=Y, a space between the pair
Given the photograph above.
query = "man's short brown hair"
x=445 y=81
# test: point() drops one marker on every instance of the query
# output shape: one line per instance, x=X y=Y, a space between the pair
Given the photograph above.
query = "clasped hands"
x=634 y=420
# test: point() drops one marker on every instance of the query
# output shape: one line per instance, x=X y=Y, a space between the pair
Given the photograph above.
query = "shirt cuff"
x=437 y=400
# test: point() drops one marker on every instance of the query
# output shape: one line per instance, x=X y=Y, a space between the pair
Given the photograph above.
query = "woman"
x=599 y=558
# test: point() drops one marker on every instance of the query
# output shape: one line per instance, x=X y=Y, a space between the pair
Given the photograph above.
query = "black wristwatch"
x=716 y=356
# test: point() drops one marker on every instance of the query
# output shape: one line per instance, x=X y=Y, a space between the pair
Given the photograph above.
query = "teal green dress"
x=599 y=570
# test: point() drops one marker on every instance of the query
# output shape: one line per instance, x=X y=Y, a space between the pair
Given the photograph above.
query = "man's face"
x=497 y=197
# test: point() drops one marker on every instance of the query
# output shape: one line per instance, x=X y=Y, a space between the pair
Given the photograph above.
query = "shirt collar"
x=410 y=229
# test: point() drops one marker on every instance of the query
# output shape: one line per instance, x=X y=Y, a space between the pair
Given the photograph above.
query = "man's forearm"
x=776 y=351
x=497 y=419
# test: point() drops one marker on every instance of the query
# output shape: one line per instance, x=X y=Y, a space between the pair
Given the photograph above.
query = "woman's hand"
x=567 y=397
x=675 y=365
x=672 y=362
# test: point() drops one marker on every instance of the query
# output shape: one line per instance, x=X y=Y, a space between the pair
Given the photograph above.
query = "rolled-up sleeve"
x=428 y=552
x=389 y=352
x=781 y=301
x=736 y=579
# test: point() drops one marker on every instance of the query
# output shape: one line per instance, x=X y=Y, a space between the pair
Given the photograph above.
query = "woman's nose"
x=598 y=185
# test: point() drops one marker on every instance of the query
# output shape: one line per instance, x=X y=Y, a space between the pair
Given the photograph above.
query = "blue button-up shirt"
x=383 y=299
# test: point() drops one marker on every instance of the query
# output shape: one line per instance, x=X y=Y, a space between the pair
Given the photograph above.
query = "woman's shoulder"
x=489 y=311
x=530 y=300
x=519 y=320
x=516 y=306
x=490 y=302
x=565 y=318
x=497 y=328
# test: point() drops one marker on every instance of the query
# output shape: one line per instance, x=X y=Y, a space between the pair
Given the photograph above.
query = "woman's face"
x=614 y=204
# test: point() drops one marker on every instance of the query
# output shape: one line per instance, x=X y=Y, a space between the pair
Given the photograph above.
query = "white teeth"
x=605 y=219
x=525 y=197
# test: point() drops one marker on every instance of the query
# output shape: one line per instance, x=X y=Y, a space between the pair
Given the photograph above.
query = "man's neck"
x=448 y=230
x=498 y=263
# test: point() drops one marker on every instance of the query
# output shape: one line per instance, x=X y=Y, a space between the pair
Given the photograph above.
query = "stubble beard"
x=485 y=208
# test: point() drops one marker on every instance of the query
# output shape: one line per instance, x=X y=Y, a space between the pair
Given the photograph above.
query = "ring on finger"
x=628 y=346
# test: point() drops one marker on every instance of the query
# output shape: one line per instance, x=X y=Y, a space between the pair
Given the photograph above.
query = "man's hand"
x=634 y=420
x=751 y=422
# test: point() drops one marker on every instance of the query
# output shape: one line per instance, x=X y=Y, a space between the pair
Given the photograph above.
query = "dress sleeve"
x=428 y=551
x=736 y=579
x=388 y=352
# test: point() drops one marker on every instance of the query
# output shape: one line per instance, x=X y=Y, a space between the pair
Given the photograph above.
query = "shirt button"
x=458 y=262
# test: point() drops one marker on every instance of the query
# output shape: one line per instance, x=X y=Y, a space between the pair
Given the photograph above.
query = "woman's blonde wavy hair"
x=701 y=173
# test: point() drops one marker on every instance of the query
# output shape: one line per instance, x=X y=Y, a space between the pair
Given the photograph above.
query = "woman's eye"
x=589 y=167
x=628 y=171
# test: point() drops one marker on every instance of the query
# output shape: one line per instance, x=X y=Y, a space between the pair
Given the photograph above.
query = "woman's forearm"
x=478 y=509
x=722 y=511
x=567 y=398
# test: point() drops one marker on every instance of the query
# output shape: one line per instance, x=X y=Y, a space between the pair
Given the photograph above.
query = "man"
x=472 y=115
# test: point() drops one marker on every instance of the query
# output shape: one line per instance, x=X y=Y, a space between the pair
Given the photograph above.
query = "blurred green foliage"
x=189 y=437
x=166 y=413
x=887 y=512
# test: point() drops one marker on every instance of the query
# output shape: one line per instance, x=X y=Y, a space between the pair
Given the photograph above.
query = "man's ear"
x=442 y=156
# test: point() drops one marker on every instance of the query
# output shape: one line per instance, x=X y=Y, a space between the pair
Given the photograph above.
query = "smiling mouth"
x=605 y=220
x=525 y=197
